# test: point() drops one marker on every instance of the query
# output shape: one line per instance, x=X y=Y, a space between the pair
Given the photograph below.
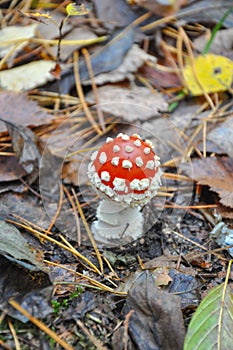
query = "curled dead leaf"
x=215 y=172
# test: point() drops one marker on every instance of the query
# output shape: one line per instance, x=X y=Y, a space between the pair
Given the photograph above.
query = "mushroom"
x=126 y=174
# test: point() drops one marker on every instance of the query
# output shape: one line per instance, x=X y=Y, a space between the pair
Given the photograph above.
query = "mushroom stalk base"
x=117 y=224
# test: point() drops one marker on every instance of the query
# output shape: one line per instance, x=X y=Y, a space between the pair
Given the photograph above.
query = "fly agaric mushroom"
x=126 y=174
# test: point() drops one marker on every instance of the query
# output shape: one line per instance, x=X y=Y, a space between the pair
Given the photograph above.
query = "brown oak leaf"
x=217 y=173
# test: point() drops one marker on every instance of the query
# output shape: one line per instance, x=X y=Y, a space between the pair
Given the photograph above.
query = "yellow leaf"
x=38 y=14
x=211 y=73
x=75 y=10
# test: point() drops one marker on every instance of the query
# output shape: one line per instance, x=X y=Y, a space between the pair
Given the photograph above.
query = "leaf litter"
x=112 y=297
x=215 y=172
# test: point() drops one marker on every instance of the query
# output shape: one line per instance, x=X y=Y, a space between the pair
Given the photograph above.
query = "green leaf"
x=212 y=324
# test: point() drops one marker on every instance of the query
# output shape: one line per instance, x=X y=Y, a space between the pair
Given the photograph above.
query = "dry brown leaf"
x=82 y=33
x=138 y=103
x=161 y=276
x=17 y=108
x=26 y=206
x=159 y=7
x=159 y=78
x=133 y=59
x=215 y=172
x=222 y=136
x=225 y=212
x=114 y=14
x=10 y=169
x=207 y=11
x=156 y=317
x=25 y=145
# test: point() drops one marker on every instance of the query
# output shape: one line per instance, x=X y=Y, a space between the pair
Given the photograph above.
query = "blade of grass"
x=215 y=30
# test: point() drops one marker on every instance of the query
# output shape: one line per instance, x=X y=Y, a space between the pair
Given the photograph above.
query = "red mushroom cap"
x=125 y=169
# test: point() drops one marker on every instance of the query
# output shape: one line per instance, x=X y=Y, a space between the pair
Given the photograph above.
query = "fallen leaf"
x=17 y=108
x=222 y=43
x=25 y=145
x=83 y=33
x=114 y=14
x=213 y=73
x=31 y=289
x=156 y=321
x=159 y=78
x=185 y=286
x=161 y=261
x=105 y=59
x=56 y=71
x=222 y=136
x=138 y=103
x=207 y=12
x=28 y=76
x=21 y=252
x=225 y=212
x=24 y=205
x=215 y=172
x=161 y=276
x=133 y=59
x=10 y=169
x=159 y=7
x=16 y=34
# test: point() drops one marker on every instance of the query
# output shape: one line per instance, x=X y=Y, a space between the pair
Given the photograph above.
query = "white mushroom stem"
x=117 y=222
